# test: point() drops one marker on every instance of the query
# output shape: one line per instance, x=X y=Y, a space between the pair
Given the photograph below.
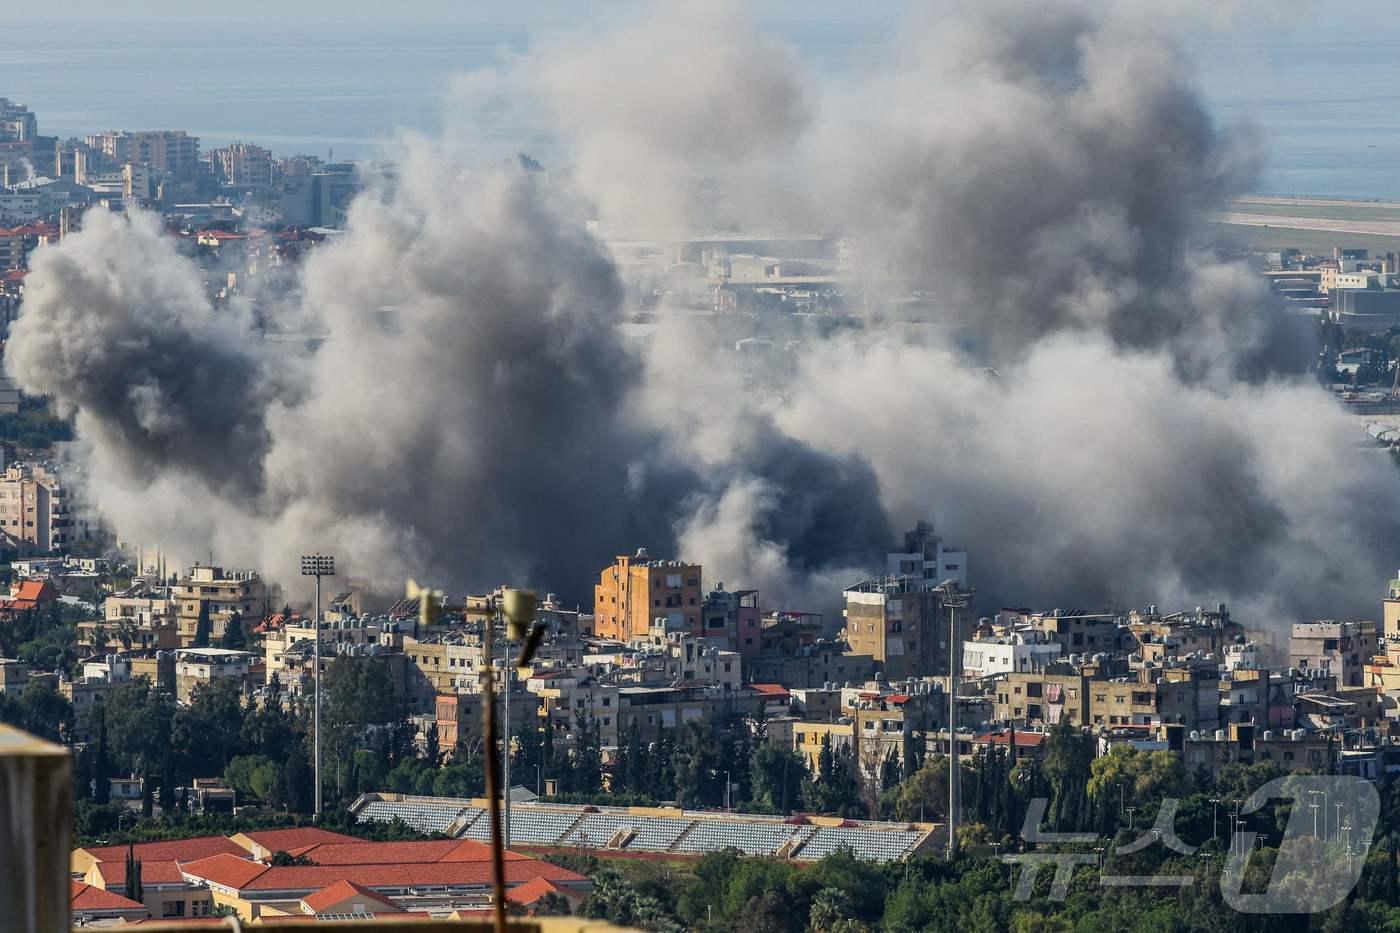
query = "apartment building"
x=925 y=557
x=1042 y=698
x=903 y=624
x=635 y=590
x=811 y=666
x=201 y=666
x=224 y=592
x=568 y=695
x=734 y=620
x=171 y=151
x=1343 y=649
x=36 y=516
x=244 y=165
x=458 y=716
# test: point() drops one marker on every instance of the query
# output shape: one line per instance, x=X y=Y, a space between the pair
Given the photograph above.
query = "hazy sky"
x=537 y=13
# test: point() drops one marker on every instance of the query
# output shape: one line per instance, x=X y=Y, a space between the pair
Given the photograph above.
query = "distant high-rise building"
x=17 y=122
x=244 y=165
x=320 y=199
x=35 y=515
x=635 y=590
x=171 y=151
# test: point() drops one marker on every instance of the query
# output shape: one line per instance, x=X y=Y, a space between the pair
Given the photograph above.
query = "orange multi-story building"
x=637 y=589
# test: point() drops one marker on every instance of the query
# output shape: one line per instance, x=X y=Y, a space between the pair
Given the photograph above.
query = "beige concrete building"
x=635 y=590
x=35 y=512
x=1343 y=649
x=225 y=592
x=244 y=165
x=14 y=675
x=196 y=666
x=902 y=624
x=569 y=695
x=172 y=151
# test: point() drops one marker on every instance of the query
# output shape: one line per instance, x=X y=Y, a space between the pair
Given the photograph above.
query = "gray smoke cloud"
x=1031 y=173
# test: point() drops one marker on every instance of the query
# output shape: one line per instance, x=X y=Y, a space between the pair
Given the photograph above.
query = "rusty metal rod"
x=493 y=790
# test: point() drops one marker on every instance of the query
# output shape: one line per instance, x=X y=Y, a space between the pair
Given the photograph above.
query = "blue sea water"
x=1325 y=101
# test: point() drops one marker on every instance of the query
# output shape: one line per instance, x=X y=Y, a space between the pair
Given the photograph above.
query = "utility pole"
x=954 y=599
x=318 y=566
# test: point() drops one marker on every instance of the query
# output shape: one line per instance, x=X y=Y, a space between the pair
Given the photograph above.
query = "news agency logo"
x=1319 y=861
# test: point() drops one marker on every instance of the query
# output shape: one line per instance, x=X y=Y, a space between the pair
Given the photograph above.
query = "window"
x=1101 y=698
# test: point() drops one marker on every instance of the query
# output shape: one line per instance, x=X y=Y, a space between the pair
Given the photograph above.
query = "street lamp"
x=318 y=566
x=726 y=791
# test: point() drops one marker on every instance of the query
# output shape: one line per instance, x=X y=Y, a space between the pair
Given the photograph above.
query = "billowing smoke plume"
x=1100 y=412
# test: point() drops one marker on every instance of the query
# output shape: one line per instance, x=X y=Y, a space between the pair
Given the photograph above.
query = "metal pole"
x=316 y=715
x=505 y=806
x=952 y=732
x=488 y=717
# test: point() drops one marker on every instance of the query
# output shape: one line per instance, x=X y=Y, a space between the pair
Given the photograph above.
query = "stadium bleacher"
x=560 y=825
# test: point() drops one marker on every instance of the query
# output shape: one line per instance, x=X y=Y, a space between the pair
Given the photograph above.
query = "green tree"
x=102 y=755
x=835 y=787
x=203 y=627
x=140 y=723
x=432 y=751
x=696 y=762
x=234 y=638
x=1068 y=756
x=777 y=776
x=135 y=891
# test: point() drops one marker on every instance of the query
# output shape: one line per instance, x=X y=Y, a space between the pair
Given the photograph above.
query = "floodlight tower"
x=318 y=566
x=955 y=599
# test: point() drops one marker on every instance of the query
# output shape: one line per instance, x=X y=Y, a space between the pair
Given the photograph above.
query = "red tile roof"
x=285 y=840
x=87 y=897
x=1023 y=739
x=333 y=894
x=406 y=916
x=531 y=891
x=772 y=690
x=225 y=869
x=469 y=850
x=153 y=871
x=30 y=594
x=181 y=850
x=241 y=875
x=412 y=853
